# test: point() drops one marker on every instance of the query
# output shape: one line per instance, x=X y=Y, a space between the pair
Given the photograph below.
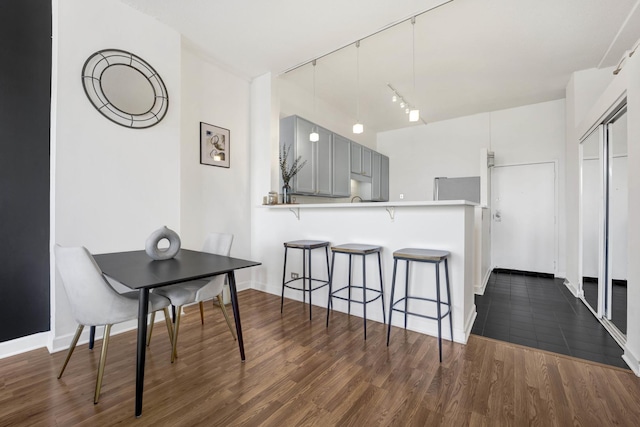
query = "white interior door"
x=523 y=211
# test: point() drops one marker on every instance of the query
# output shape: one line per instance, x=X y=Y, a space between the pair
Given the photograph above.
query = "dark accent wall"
x=25 y=94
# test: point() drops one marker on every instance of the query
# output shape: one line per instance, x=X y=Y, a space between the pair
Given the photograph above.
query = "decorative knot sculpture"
x=151 y=246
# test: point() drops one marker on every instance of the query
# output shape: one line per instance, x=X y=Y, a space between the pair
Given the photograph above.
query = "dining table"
x=138 y=271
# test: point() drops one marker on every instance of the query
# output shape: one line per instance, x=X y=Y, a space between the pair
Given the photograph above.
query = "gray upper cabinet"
x=360 y=162
x=356 y=158
x=316 y=177
x=366 y=161
x=379 y=178
x=303 y=181
x=341 y=166
x=323 y=164
x=332 y=162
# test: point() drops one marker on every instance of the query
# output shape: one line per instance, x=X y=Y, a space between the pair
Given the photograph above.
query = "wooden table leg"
x=236 y=311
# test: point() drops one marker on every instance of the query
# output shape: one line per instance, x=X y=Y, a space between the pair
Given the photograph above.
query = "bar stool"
x=306 y=246
x=352 y=249
x=427 y=256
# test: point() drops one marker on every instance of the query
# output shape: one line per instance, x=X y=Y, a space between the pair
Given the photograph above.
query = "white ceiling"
x=470 y=55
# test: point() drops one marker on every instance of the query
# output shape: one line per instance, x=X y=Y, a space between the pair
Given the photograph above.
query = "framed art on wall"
x=214 y=145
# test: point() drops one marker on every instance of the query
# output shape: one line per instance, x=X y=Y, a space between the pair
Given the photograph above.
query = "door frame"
x=556 y=241
x=599 y=308
x=604 y=262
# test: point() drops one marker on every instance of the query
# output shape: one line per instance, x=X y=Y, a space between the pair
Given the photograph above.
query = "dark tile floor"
x=540 y=312
x=618 y=297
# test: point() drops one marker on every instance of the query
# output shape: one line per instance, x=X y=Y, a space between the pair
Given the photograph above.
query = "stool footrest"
x=324 y=283
x=356 y=288
x=404 y=299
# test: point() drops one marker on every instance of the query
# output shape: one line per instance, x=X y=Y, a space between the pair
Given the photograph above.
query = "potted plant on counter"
x=288 y=172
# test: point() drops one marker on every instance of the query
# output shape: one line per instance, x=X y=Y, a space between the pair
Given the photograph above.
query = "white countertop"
x=396 y=204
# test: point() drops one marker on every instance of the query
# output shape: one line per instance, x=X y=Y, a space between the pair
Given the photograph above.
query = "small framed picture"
x=214 y=145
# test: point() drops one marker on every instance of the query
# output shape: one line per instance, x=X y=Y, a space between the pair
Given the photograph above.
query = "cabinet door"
x=384 y=178
x=379 y=177
x=323 y=163
x=366 y=162
x=304 y=182
x=356 y=158
x=341 y=166
x=375 y=177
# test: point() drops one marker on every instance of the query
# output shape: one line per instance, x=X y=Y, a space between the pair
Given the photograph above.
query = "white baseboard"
x=468 y=325
x=273 y=290
x=62 y=342
x=479 y=289
x=632 y=361
x=572 y=288
x=423 y=326
x=24 y=344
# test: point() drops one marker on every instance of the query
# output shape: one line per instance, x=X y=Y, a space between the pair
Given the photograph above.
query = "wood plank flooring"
x=300 y=373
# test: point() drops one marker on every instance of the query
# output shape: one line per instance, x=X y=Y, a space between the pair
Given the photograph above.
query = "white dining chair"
x=95 y=303
x=199 y=290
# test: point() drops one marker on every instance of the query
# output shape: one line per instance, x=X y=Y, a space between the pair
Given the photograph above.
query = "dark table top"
x=137 y=270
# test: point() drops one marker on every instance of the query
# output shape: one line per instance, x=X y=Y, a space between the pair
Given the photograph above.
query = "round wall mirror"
x=125 y=89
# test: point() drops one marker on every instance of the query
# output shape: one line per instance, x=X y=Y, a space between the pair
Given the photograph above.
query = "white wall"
x=418 y=154
x=452 y=148
x=214 y=198
x=298 y=101
x=112 y=185
x=265 y=128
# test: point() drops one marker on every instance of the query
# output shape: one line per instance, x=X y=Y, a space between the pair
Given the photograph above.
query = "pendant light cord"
x=413 y=52
x=358 y=81
x=314 y=86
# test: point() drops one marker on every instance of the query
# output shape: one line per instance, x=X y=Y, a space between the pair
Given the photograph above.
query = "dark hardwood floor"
x=299 y=372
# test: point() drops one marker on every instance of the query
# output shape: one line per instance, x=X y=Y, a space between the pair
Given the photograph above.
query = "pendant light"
x=358 y=127
x=414 y=114
x=314 y=136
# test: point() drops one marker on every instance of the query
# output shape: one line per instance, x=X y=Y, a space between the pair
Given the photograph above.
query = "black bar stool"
x=306 y=246
x=360 y=250
x=428 y=256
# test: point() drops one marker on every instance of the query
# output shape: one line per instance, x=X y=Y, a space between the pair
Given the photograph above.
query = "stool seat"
x=356 y=248
x=306 y=244
x=421 y=254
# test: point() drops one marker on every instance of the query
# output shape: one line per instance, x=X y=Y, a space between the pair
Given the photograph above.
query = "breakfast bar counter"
x=441 y=225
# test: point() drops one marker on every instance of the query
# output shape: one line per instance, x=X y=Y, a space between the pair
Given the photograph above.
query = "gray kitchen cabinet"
x=356 y=158
x=341 y=167
x=316 y=177
x=379 y=177
x=366 y=161
x=323 y=163
x=360 y=162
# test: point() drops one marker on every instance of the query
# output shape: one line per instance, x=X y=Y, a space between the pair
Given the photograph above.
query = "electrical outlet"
x=401 y=196
x=295 y=275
